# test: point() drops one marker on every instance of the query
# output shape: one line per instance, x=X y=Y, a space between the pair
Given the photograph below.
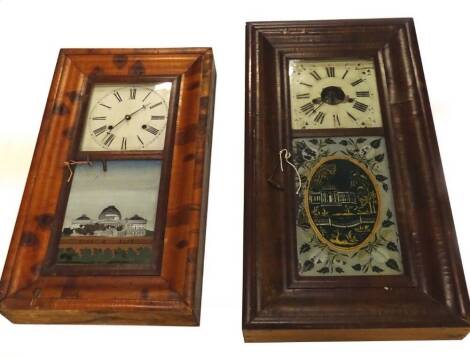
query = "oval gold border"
x=307 y=209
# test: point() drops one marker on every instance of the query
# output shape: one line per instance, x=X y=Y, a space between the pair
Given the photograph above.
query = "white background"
x=31 y=34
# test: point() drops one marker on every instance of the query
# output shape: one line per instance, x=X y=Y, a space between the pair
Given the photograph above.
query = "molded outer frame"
x=430 y=300
x=27 y=294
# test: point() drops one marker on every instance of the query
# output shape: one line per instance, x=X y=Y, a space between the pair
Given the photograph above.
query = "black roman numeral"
x=157 y=118
x=303 y=95
x=155 y=105
x=132 y=93
x=118 y=96
x=101 y=104
x=315 y=75
x=109 y=139
x=330 y=71
x=345 y=73
x=151 y=130
x=352 y=117
x=362 y=94
x=140 y=140
x=336 y=119
x=319 y=117
x=124 y=143
x=305 y=84
x=146 y=96
x=102 y=118
x=308 y=108
x=356 y=82
x=360 y=106
x=99 y=130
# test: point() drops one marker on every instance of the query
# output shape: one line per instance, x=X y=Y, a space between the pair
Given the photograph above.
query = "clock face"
x=333 y=94
x=127 y=117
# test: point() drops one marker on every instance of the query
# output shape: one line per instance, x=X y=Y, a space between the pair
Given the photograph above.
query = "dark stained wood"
x=29 y=291
x=430 y=300
x=301 y=133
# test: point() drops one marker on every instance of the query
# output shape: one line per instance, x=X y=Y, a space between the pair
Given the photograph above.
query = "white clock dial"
x=127 y=117
x=334 y=94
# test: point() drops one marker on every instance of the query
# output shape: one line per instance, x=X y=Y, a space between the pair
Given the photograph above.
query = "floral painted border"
x=382 y=256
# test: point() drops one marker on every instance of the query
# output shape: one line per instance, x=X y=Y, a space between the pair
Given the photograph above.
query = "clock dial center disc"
x=332 y=95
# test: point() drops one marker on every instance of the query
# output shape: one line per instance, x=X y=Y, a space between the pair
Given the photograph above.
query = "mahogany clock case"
x=425 y=296
x=40 y=286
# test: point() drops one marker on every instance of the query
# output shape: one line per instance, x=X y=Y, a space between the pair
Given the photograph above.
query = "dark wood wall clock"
x=348 y=229
x=112 y=223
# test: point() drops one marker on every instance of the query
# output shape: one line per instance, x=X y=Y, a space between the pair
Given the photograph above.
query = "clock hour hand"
x=110 y=128
x=127 y=117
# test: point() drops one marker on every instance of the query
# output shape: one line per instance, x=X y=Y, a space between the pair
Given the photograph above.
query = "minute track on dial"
x=345 y=91
x=127 y=118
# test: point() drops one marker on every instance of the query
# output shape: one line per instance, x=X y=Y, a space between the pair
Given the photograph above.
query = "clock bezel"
x=307 y=56
x=127 y=80
x=323 y=55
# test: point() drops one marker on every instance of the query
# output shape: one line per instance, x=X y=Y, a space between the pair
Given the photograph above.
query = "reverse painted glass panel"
x=111 y=213
x=346 y=222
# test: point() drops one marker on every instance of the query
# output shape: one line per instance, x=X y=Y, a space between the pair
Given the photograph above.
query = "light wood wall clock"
x=348 y=229
x=112 y=223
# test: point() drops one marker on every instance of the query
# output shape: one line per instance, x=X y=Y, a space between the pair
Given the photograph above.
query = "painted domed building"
x=109 y=223
x=110 y=214
x=135 y=226
x=81 y=221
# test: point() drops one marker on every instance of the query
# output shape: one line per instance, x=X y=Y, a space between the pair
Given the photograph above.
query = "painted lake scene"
x=342 y=203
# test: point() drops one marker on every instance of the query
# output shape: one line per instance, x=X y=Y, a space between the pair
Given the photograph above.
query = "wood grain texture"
x=49 y=265
x=28 y=294
x=430 y=300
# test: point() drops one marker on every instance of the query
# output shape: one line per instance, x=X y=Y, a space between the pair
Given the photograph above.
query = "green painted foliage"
x=142 y=255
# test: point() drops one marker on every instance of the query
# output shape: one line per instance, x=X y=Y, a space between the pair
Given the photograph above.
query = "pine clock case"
x=32 y=293
x=50 y=265
x=430 y=300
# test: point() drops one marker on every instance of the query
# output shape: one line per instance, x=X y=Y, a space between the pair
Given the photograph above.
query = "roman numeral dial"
x=127 y=117
x=333 y=94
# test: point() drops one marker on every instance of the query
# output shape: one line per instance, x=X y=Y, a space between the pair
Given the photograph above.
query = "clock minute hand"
x=127 y=117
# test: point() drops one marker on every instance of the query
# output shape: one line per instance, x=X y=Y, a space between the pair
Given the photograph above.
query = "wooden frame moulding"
x=50 y=266
x=430 y=299
x=32 y=288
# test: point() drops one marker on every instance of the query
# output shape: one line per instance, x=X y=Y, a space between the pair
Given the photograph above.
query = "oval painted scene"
x=342 y=203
